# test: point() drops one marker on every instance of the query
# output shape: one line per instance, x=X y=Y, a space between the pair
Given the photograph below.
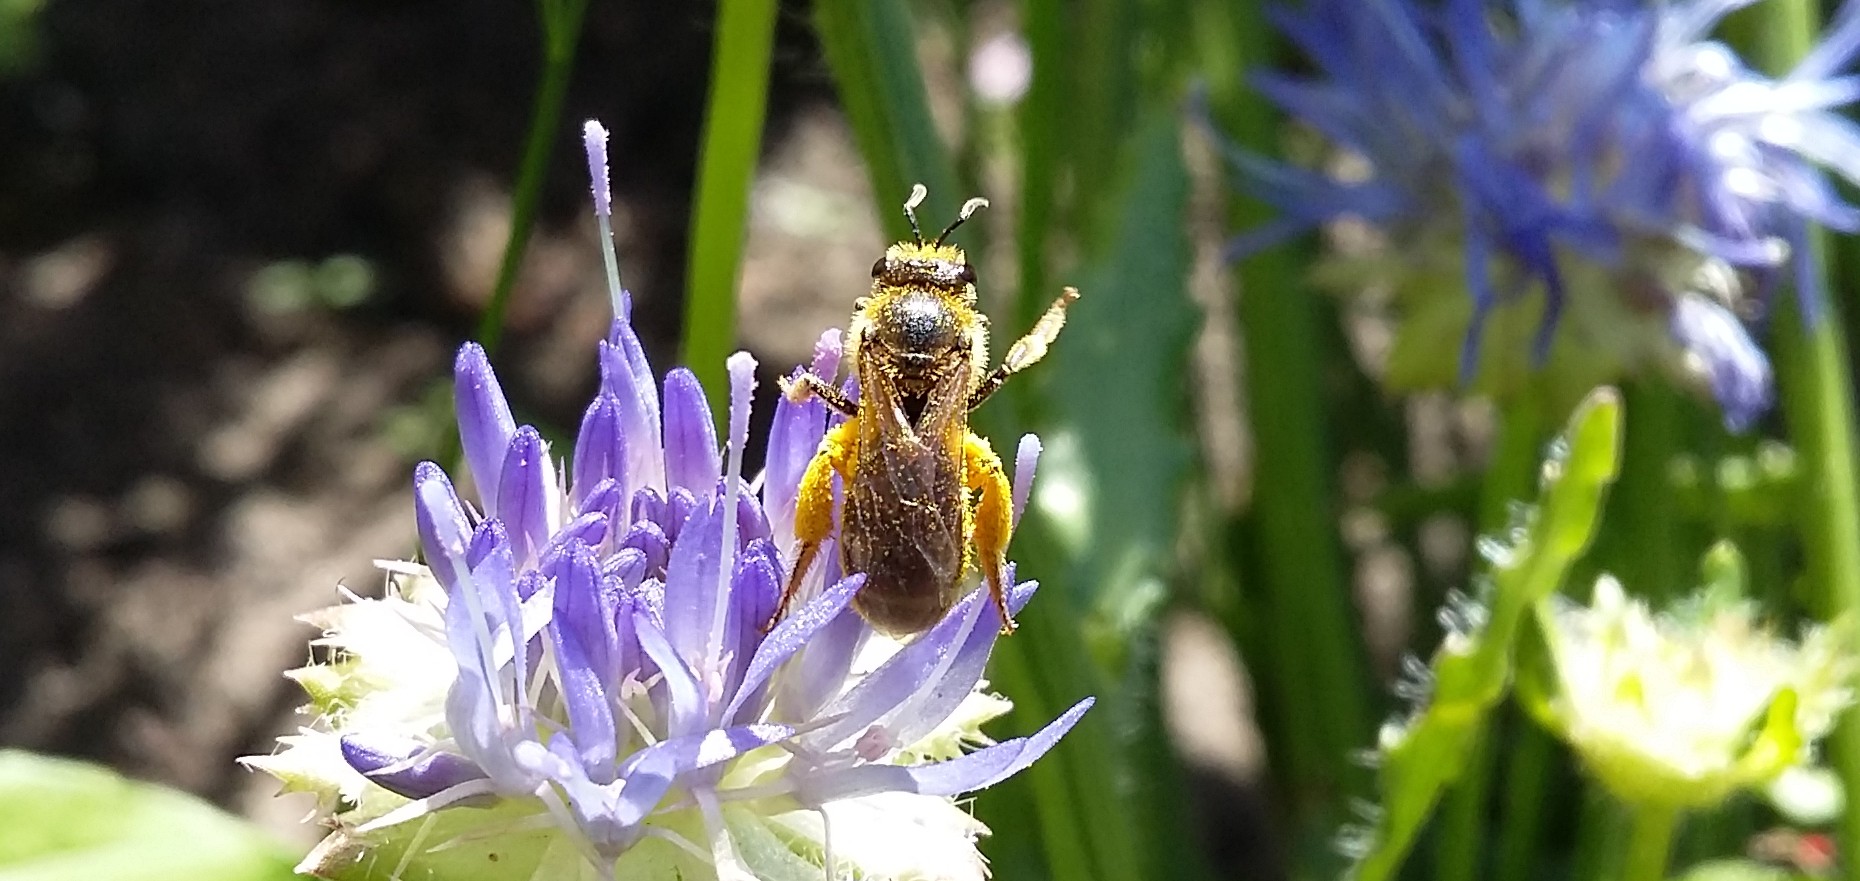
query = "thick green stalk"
x=1650 y=841
x=561 y=23
x=1644 y=545
x=739 y=89
x=1817 y=398
x=1526 y=792
x=1509 y=479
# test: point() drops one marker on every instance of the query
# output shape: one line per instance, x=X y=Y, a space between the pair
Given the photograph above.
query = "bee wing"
x=914 y=475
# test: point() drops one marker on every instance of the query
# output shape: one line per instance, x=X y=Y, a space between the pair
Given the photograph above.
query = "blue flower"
x=1605 y=153
x=604 y=669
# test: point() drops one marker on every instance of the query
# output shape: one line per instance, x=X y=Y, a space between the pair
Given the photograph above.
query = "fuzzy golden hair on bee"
x=916 y=264
x=925 y=499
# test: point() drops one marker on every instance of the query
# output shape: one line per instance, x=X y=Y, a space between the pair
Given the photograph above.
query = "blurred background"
x=240 y=241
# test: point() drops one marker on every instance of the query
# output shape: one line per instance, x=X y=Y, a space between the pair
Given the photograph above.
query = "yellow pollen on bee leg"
x=813 y=505
x=994 y=518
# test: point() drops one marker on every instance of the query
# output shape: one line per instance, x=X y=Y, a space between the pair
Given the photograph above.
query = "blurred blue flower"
x=605 y=668
x=1555 y=138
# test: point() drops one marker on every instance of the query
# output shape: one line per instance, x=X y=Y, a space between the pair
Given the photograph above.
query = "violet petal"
x=485 y=424
x=600 y=449
x=795 y=631
x=584 y=642
x=794 y=438
x=406 y=766
x=825 y=662
x=926 y=708
x=688 y=706
x=693 y=581
x=440 y=521
x=625 y=376
x=524 y=490
x=977 y=770
x=902 y=675
x=692 y=459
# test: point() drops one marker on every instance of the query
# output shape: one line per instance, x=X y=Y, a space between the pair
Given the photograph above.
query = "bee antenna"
x=968 y=210
x=918 y=192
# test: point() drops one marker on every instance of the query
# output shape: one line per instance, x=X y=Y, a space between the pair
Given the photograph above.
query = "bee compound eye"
x=878 y=268
x=966 y=273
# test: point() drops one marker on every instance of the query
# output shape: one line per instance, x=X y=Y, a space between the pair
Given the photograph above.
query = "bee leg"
x=808 y=385
x=994 y=518
x=813 y=507
x=1027 y=350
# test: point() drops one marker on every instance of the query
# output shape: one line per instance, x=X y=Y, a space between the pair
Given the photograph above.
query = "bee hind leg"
x=813 y=508
x=994 y=519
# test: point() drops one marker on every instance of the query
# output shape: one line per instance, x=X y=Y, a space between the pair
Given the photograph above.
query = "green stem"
x=1510 y=478
x=1526 y=791
x=739 y=89
x=1645 y=548
x=1817 y=398
x=561 y=23
x=1650 y=840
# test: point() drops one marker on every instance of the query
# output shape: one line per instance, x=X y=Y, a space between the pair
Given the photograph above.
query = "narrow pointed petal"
x=692 y=459
x=485 y=424
x=600 y=450
x=823 y=663
x=894 y=682
x=584 y=643
x=625 y=376
x=754 y=589
x=788 y=637
x=406 y=766
x=440 y=521
x=1026 y=462
x=525 y=493
x=1736 y=369
x=794 y=438
x=926 y=708
x=688 y=704
x=485 y=709
x=977 y=770
x=693 y=581
x=660 y=765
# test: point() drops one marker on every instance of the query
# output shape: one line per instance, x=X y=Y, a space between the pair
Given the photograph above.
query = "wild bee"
x=925 y=497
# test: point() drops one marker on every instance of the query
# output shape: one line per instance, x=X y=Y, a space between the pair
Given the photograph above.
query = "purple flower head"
x=600 y=628
x=1604 y=153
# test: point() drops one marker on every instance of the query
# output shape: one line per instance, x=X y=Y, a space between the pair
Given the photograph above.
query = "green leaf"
x=1419 y=758
x=1118 y=449
x=739 y=87
x=72 y=821
x=871 y=47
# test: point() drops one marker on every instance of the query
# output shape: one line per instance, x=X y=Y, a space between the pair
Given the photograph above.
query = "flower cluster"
x=1683 y=710
x=577 y=682
x=1607 y=154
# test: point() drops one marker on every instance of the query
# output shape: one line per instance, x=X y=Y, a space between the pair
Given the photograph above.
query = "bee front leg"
x=813 y=507
x=994 y=519
x=1027 y=350
x=808 y=385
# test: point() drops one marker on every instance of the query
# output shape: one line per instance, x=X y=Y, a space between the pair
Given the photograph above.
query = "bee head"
x=919 y=264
